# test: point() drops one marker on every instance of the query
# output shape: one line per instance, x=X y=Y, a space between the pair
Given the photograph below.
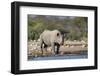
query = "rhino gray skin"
x=51 y=38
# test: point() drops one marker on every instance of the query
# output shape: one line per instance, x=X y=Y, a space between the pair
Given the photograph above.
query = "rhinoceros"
x=51 y=38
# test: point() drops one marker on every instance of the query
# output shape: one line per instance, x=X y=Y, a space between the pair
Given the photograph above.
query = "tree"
x=76 y=26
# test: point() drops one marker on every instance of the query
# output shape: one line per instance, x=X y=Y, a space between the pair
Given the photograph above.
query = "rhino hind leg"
x=41 y=46
x=45 y=47
x=42 y=49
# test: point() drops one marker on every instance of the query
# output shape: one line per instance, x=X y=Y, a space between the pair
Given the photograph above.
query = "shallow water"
x=57 y=57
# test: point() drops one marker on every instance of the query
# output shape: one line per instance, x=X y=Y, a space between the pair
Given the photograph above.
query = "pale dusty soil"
x=63 y=50
x=72 y=49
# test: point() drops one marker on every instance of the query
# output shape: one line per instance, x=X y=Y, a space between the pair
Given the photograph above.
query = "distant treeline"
x=74 y=28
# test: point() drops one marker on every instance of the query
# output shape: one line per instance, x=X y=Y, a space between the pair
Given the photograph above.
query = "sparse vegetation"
x=75 y=28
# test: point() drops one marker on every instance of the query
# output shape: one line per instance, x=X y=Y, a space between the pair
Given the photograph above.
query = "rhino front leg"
x=53 y=48
x=57 y=49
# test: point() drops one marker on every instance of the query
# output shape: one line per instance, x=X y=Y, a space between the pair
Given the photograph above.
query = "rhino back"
x=46 y=37
x=50 y=37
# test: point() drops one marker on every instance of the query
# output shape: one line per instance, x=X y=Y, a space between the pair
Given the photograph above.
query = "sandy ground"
x=63 y=50
x=72 y=49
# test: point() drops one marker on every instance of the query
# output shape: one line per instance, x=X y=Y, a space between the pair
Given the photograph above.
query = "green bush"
x=76 y=27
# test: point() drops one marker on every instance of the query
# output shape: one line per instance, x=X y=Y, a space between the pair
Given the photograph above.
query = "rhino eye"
x=57 y=34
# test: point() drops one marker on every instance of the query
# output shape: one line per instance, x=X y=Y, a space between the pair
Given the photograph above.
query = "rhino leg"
x=57 y=49
x=53 y=48
x=45 y=47
x=41 y=45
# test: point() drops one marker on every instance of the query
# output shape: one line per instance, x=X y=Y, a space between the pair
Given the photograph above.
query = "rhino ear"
x=57 y=34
